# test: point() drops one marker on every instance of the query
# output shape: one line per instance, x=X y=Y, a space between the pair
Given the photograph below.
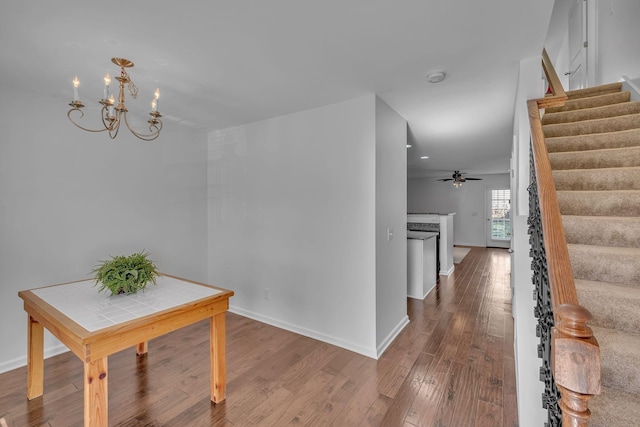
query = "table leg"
x=96 y=395
x=142 y=348
x=218 y=350
x=35 y=359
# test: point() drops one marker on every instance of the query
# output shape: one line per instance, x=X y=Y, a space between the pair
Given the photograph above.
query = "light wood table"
x=94 y=325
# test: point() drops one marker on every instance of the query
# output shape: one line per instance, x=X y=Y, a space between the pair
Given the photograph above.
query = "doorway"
x=577 y=45
x=582 y=40
x=499 y=218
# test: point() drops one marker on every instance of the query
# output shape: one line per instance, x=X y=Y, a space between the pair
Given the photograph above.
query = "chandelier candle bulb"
x=157 y=98
x=76 y=83
x=112 y=101
x=107 y=82
x=154 y=106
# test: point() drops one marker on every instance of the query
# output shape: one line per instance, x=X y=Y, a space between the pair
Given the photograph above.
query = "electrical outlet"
x=267 y=294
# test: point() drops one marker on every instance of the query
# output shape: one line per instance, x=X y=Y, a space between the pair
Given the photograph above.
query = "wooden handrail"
x=559 y=96
x=575 y=355
x=558 y=263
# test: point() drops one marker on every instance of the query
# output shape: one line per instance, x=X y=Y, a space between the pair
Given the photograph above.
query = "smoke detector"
x=436 y=76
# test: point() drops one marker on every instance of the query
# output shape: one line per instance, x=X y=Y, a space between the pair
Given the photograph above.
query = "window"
x=501 y=214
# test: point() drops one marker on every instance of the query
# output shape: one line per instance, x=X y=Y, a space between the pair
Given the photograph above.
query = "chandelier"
x=113 y=114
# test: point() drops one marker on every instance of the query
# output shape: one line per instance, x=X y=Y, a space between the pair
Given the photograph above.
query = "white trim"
x=592 y=43
x=19 y=362
x=392 y=335
x=629 y=85
x=447 y=272
x=475 y=245
x=369 y=352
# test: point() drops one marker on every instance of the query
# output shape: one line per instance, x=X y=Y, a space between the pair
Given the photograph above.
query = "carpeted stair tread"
x=614 y=408
x=613 y=110
x=600 y=203
x=594 y=91
x=602 y=230
x=599 y=141
x=597 y=179
x=605 y=264
x=596 y=159
x=620 y=123
x=618 y=359
x=612 y=306
x=591 y=102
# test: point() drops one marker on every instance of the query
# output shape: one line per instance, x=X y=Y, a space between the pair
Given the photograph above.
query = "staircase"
x=594 y=150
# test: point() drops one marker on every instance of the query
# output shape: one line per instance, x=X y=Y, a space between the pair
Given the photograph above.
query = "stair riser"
x=610 y=308
x=597 y=159
x=594 y=91
x=598 y=179
x=600 y=141
x=614 y=408
x=619 y=362
x=604 y=203
x=605 y=267
x=591 y=102
x=607 y=232
x=593 y=126
x=591 y=113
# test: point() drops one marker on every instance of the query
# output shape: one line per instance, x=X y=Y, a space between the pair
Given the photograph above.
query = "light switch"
x=389 y=234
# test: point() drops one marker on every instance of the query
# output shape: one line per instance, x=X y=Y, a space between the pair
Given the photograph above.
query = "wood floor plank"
x=453 y=365
x=466 y=398
x=433 y=388
x=375 y=415
x=489 y=415
x=404 y=399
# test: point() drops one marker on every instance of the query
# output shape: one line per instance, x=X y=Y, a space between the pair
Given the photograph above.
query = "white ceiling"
x=225 y=63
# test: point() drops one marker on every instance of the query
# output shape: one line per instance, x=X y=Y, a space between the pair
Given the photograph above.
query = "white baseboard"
x=447 y=272
x=372 y=353
x=392 y=335
x=628 y=84
x=19 y=362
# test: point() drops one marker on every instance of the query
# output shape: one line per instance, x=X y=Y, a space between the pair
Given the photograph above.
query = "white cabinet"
x=421 y=263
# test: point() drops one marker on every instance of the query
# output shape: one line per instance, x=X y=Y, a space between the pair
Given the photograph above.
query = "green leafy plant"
x=126 y=274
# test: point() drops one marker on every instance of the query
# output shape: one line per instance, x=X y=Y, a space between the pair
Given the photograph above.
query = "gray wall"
x=618 y=40
x=390 y=212
x=69 y=198
x=292 y=214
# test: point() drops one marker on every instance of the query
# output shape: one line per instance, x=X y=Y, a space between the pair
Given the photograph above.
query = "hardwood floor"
x=452 y=365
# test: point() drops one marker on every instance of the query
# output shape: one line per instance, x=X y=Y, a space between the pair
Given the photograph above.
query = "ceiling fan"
x=458 y=179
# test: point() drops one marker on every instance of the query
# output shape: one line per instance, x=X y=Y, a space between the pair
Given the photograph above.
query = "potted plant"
x=126 y=274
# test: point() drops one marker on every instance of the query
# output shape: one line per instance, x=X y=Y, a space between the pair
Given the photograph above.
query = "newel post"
x=575 y=363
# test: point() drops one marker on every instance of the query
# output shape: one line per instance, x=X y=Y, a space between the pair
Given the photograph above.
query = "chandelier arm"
x=81 y=116
x=114 y=132
x=109 y=124
x=142 y=136
x=155 y=126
